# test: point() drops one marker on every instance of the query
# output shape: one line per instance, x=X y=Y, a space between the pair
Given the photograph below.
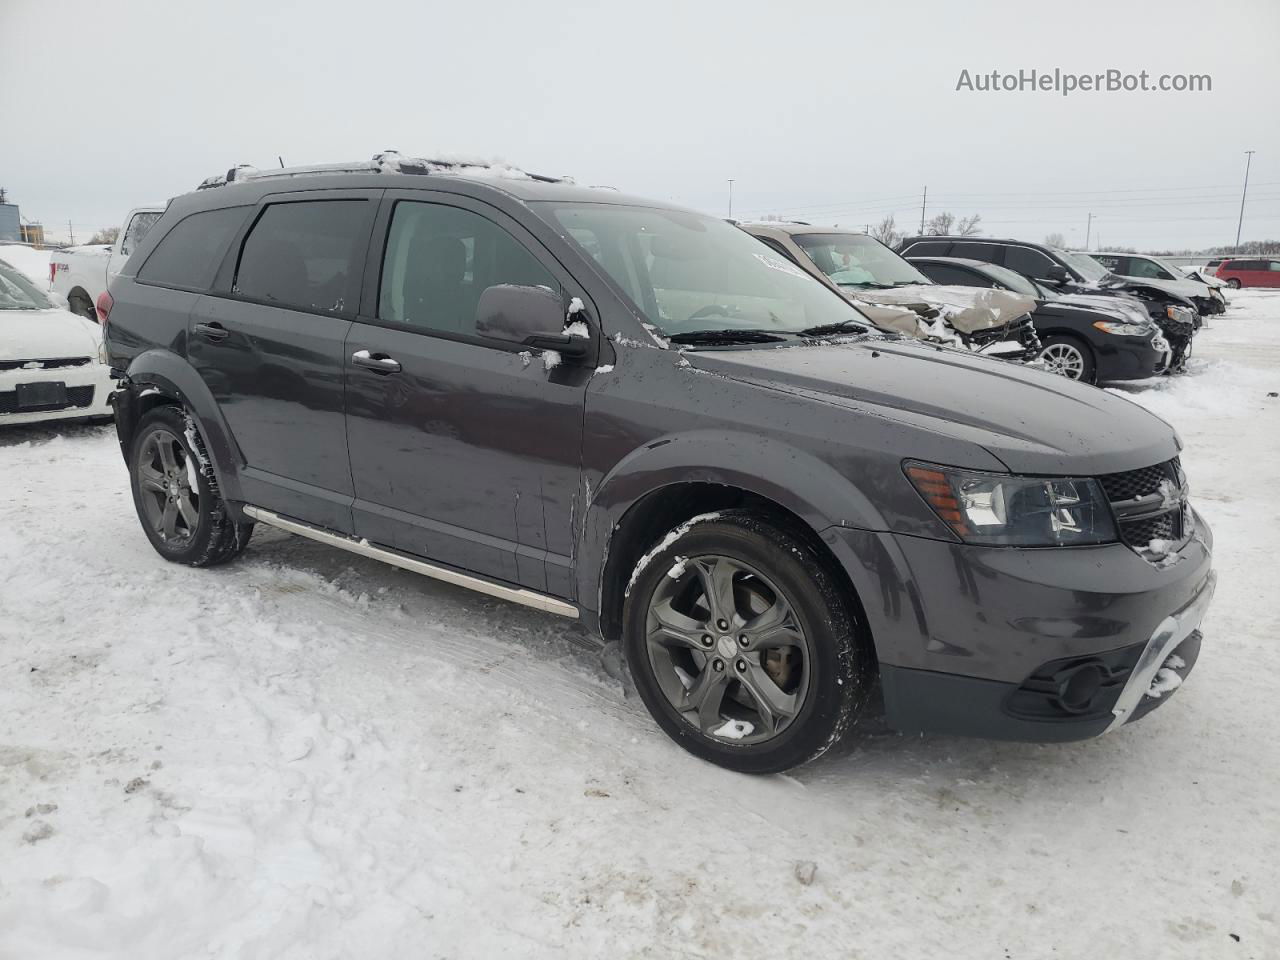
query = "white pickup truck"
x=81 y=273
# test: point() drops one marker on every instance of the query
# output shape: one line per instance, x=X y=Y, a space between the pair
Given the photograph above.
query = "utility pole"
x=730 y=199
x=1088 y=230
x=1240 y=224
x=71 y=231
x=923 y=200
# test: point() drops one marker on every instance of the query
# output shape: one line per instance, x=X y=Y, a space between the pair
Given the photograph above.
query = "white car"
x=81 y=273
x=1164 y=276
x=51 y=364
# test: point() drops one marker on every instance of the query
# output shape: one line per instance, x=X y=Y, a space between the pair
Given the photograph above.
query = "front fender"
x=765 y=466
x=169 y=374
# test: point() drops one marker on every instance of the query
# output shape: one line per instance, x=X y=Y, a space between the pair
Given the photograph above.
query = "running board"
x=364 y=548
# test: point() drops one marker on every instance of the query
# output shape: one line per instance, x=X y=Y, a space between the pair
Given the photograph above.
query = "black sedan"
x=1084 y=337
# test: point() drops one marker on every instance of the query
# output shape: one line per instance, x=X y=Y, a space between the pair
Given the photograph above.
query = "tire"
x=165 y=473
x=80 y=305
x=1234 y=283
x=776 y=581
x=1069 y=357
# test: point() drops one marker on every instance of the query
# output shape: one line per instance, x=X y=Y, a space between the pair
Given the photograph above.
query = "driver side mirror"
x=527 y=316
x=1057 y=274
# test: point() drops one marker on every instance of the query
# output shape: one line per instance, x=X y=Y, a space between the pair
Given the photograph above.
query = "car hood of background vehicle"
x=968 y=309
x=1180 y=288
x=1120 y=308
x=46 y=335
x=1032 y=421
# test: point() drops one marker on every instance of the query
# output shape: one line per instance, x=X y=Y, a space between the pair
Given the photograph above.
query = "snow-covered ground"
x=310 y=755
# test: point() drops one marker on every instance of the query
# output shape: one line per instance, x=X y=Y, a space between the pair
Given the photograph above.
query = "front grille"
x=1138 y=483
x=44 y=364
x=76 y=397
x=1139 y=533
x=1161 y=517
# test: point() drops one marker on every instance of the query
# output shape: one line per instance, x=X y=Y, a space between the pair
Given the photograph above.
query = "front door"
x=462 y=450
x=271 y=348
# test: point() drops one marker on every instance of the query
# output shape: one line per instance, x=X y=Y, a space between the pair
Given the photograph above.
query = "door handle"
x=211 y=331
x=377 y=362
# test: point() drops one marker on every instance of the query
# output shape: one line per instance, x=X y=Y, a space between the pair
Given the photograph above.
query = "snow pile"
x=34 y=263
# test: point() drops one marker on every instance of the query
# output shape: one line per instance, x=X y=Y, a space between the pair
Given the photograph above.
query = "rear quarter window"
x=188 y=255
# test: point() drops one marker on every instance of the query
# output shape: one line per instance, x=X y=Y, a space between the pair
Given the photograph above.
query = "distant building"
x=32 y=233
x=10 y=223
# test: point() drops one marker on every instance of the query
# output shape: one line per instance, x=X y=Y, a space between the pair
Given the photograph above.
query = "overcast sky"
x=832 y=112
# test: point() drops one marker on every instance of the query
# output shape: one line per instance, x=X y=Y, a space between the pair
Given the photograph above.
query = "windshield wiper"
x=843 y=326
x=726 y=336
x=865 y=283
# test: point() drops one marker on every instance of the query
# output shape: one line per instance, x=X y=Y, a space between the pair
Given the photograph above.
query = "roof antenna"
x=281 y=159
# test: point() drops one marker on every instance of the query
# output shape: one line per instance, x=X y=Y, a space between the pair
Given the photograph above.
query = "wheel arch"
x=157 y=377
x=662 y=486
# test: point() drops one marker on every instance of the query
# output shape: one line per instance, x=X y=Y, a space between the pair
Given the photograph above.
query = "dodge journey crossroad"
x=622 y=411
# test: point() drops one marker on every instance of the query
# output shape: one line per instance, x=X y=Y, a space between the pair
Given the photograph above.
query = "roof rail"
x=389 y=161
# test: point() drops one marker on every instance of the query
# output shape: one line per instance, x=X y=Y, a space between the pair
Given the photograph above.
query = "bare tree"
x=1055 y=240
x=940 y=224
x=105 y=235
x=887 y=232
x=969 y=226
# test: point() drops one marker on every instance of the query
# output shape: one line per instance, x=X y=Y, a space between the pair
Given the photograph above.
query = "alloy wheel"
x=1064 y=360
x=727 y=649
x=167 y=482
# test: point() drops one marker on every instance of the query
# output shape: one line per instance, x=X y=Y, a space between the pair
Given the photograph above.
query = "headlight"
x=102 y=351
x=1122 y=329
x=1003 y=510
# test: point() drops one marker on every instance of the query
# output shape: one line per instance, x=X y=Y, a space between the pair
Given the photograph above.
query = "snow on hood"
x=968 y=309
x=47 y=335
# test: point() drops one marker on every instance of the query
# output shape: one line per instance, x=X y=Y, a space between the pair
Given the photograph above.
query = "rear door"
x=270 y=343
x=1271 y=277
x=462 y=450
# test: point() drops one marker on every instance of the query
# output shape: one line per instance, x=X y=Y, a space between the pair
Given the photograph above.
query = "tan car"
x=896 y=296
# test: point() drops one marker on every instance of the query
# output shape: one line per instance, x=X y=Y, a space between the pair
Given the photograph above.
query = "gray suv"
x=621 y=411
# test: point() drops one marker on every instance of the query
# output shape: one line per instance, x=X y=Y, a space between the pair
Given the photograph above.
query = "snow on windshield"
x=18 y=293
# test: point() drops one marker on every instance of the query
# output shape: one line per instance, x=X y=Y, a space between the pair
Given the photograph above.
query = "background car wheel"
x=1068 y=357
x=81 y=305
x=177 y=501
x=744 y=646
x=1234 y=283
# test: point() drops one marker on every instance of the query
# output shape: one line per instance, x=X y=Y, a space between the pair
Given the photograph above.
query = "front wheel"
x=176 y=496
x=1068 y=358
x=1234 y=283
x=743 y=645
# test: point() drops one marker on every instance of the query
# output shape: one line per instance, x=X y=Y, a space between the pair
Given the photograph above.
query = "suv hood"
x=968 y=309
x=1120 y=308
x=1032 y=421
x=47 y=335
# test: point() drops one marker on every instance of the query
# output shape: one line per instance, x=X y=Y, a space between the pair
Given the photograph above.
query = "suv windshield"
x=1084 y=265
x=687 y=272
x=855 y=260
x=19 y=293
x=1017 y=282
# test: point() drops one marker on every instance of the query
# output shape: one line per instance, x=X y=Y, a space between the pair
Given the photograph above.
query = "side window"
x=1112 y=263
x=439 y=259
x=926 y=248
x=306 y=255
x=986 y=252
x=955 y=276
x=1031 y=263
x=1137 y=267
x=188 y=255
x=1275 y=265
x=139 y=226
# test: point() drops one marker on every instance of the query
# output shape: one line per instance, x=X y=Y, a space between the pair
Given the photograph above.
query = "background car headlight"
x=1123 y=329
x=1005 y=510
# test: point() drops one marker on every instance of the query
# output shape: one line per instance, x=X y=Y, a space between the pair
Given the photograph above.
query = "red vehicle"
x=1257 y=272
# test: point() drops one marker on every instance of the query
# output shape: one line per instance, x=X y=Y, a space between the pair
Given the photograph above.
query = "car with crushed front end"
x=1094 y=339
x=624 y=412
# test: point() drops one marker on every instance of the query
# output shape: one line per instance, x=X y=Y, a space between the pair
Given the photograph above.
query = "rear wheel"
x=80 y=304
x=743 y=646
x=176 y=496
x=1234 y=283
x=1068 y=357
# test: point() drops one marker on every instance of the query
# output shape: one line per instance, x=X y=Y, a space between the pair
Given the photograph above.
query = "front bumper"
x=1131 y=358
x=1000 y=642
x=87 y=387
